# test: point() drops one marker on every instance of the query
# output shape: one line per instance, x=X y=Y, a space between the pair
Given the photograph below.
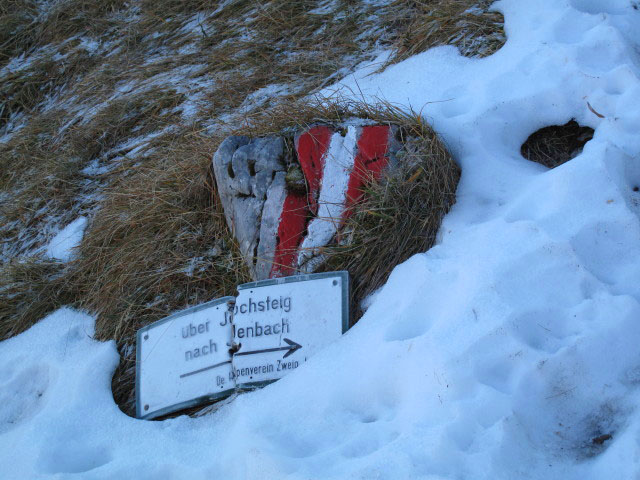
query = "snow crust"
x=66 y=240
x=509 y=350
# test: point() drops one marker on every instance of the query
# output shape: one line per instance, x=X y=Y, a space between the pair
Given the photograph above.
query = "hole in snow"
x=556 y=144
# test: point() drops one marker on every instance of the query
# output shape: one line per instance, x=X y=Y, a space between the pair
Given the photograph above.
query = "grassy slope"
x=112 y=109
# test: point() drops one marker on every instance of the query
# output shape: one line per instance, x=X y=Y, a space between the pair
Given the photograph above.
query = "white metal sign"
x=184 y=360
x=280 y=323
x=273 y=326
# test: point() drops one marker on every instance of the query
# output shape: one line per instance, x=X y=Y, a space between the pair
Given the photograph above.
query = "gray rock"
x=269 y=226
x=245 y=170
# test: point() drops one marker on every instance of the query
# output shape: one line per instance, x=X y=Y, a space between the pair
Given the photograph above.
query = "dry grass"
x=25 y=89
x=130 y=116
x=30 y=290
x=43 y=170
x=471 y=26
x=43 y=184
x=159 y=242
x=16 y=20
x=27 y=24
x=556 y=144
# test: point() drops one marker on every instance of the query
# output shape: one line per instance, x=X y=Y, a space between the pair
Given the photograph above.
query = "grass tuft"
x=30 y=290
x=556 y=144
x=473 y=27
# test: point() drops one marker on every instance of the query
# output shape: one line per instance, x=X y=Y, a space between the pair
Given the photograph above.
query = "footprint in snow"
x=22 y=394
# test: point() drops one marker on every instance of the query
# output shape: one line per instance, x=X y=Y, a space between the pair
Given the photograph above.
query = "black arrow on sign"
x=293 y=346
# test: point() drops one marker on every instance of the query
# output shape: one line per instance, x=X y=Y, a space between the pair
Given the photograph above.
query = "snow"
x=503 y=352
x=62 y=245
x=90 y=45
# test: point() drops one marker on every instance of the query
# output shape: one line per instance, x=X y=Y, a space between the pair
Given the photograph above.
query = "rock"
x=283 y=212
x=245 y=170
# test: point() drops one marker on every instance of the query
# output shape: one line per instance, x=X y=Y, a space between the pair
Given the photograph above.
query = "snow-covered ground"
x=507 y=351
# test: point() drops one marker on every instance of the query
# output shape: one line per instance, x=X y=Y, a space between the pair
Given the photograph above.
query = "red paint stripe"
x=293 y=222
x=311 y=148
x=369 y=163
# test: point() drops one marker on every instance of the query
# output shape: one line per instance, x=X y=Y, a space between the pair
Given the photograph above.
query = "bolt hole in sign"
x=207 y=352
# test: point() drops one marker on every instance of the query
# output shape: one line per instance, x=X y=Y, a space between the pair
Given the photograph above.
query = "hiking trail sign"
x=208 y=352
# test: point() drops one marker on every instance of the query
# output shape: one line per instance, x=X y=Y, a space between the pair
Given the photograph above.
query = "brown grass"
x=30 y=290
x=130 y=116
x=16 y=34
x=134 y=261
x=42 y=181
x=470 y=26
x=556 y=144
x=24 y=90
x=158 y=244
x=26 y=24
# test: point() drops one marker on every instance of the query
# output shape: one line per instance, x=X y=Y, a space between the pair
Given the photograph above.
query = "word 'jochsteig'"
x=257 y=330
x=252 y=306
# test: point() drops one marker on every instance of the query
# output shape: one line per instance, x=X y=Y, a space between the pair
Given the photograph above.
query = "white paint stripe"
x=338 y=164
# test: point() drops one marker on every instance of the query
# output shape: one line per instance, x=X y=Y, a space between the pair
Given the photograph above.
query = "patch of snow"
x=325 y=7
x=62 y=245
x=367 y=67
x=221 y=6
x=94 y=168
x=263 y=95
x=188 y=49
x=15 y=123
x=189 y=110
x=126 y=87
x=18 y=63
x=89 y=44
x=115 y=51
x=58 y=359
x=369 y=300
x=196 y=25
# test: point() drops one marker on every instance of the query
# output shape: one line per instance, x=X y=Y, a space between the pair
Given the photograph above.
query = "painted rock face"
x=284 y=210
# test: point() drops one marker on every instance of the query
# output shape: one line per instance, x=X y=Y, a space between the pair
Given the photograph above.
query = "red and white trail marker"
x=336 y=167
x=281 y=231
